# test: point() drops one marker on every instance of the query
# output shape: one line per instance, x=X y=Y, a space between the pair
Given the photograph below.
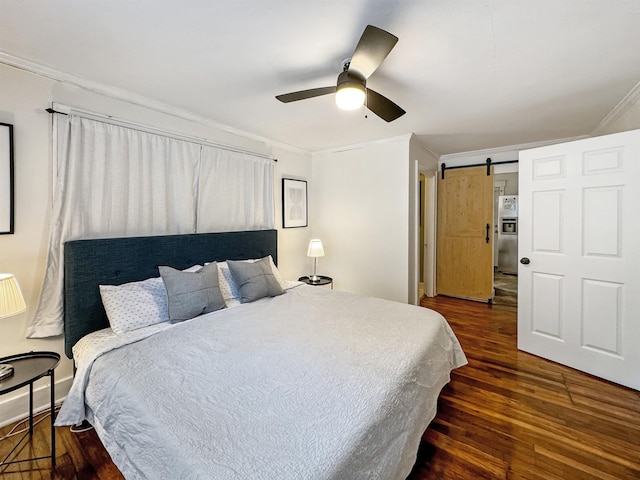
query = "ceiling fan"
x=351 y=88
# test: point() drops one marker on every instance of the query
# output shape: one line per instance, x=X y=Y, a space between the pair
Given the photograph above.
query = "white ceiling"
x=471 y=74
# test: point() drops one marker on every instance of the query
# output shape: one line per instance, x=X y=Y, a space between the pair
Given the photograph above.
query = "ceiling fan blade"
x=383 y=107
x=373 y=47
x=304 y=94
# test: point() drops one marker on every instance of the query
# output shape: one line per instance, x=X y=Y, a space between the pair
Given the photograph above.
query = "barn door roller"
x=488 y=163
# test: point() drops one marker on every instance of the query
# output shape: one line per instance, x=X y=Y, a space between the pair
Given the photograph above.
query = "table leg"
x=31 y=409
x=53 y=428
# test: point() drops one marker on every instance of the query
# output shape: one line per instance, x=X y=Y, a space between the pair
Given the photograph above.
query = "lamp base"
x=314 y=278
x=6 y=371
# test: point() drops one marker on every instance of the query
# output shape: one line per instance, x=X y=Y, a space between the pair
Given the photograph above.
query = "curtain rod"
x=158 y=131
x=488 y=164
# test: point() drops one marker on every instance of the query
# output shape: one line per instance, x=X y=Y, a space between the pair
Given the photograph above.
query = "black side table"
x=29 y=367
x=322 y=280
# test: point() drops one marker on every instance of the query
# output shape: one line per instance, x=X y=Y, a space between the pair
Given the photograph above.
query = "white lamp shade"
x=315 y=249
x=11 y=299
x=350 y=98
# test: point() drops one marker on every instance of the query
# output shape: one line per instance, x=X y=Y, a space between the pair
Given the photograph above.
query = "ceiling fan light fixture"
x=351 y=88
x=350 y=97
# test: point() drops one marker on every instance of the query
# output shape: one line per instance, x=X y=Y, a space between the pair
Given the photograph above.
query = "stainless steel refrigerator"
x=508 y=234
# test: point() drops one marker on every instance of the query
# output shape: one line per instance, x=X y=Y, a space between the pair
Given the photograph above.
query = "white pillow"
x=228 y=286
x=137 y=304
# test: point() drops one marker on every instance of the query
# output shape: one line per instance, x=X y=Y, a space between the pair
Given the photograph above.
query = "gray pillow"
x=192 y=294
x=254 y=279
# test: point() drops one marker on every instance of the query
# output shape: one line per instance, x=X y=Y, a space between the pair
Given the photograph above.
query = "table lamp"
x=11 y=303
x=315 y=251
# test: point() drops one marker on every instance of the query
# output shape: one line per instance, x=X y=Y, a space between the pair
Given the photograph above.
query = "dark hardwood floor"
x=511 y=415
x=506 y=415
x=79 y=456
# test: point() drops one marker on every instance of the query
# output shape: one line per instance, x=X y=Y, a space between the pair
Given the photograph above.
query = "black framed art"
x=294 y=203
x=6 y=178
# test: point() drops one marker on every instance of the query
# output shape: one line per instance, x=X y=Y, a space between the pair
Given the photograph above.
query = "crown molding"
x=620 y=109
x=509 y=148
x=357 y=146
x=135 y=99
x=428 y=150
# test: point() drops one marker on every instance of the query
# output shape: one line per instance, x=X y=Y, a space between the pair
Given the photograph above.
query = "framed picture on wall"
x=294 y=203
x=6 y=178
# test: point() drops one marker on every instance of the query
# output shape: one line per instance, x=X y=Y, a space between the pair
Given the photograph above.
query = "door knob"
x=525 y=261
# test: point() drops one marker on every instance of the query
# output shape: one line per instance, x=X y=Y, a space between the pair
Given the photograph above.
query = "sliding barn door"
x=465 y=238
x=579 y=248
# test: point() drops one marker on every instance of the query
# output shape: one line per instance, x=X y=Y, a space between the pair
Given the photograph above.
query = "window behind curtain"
x=114 y=181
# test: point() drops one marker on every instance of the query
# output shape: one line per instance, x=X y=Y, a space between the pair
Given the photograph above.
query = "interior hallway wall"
x=361 y=213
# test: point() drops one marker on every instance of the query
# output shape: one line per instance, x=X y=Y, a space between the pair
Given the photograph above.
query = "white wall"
x=292 y=242
x=360 y=211
x=510 y=182
x=23 y=98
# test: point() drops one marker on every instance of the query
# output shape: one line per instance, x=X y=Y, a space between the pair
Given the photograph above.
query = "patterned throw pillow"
x=137 y=304
x=227 y=286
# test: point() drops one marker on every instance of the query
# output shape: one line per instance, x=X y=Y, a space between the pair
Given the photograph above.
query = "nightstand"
x=322 y=280
x=27 y=368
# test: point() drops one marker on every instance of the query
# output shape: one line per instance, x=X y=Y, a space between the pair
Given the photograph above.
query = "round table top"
x=27 y=368
x=322 y=280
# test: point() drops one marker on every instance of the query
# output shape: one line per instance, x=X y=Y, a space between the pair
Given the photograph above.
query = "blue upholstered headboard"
x=114 y=261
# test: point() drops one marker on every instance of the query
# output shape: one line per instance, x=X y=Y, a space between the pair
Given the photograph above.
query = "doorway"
x=427 y=234
x=421 y=236
x=505 y=284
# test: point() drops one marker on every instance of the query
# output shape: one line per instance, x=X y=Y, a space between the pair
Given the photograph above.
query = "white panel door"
x=579 y=293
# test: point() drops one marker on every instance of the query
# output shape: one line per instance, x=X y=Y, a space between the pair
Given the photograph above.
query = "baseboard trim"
x=16 y=407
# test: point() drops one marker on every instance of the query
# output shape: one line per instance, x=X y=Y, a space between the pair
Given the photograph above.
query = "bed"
x=308 y=384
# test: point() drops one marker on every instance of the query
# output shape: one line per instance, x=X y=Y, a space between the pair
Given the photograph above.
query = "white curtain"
x=115 y=181
x=231 y=185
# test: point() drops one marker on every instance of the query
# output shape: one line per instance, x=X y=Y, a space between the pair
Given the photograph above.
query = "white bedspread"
x=313 y=384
